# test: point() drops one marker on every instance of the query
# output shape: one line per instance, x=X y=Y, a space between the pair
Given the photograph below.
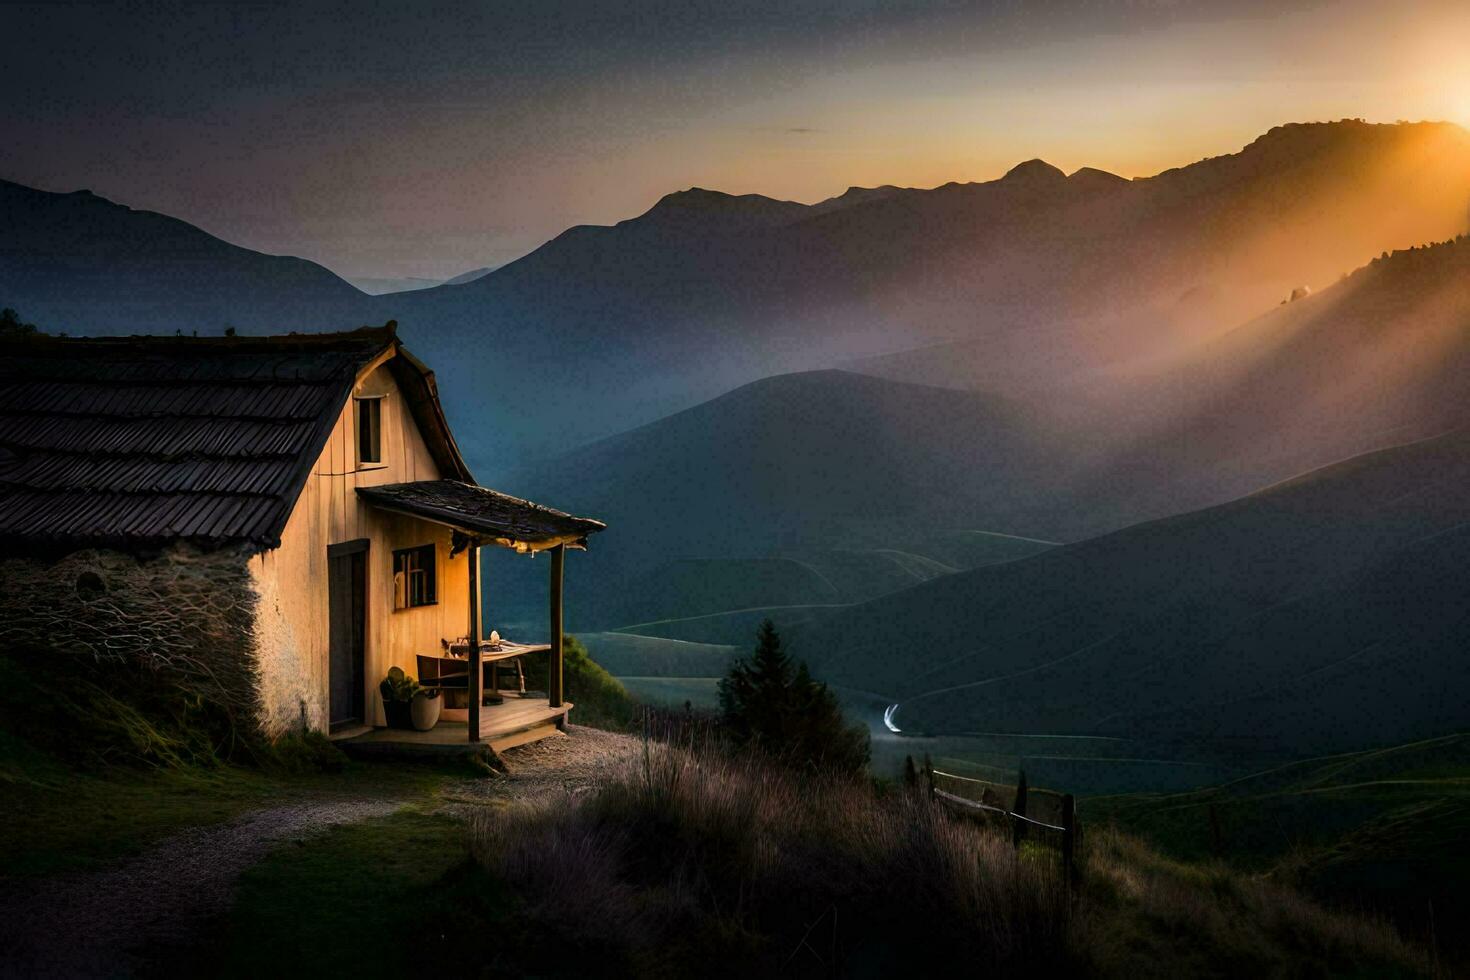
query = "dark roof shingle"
x=142 y=441
x=510 y=521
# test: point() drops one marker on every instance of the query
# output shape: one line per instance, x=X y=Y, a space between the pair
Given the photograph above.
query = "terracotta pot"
x=425 y=710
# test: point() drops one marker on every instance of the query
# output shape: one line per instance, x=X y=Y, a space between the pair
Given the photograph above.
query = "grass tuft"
x=700 y=861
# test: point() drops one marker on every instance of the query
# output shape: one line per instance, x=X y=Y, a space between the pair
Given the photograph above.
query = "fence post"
x=1018 y=832
x=1069 y=839
x=929 y=777
x=910 y=776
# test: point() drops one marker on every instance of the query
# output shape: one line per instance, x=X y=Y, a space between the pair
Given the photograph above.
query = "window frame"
x=403 y=595
x=369 y=423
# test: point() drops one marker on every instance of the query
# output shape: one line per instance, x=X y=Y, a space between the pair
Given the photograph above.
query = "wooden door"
x=347 y=594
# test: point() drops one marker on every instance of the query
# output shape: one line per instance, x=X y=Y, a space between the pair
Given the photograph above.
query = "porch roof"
x=494 y=517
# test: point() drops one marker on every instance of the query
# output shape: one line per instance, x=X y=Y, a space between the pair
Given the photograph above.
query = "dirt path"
x=96 y=923
x=90 y=924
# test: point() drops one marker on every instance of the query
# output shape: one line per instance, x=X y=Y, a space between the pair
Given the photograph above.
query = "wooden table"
x=488 y=656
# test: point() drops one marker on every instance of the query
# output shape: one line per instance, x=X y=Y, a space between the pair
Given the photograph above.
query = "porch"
x=518 y=719
x=492 y=716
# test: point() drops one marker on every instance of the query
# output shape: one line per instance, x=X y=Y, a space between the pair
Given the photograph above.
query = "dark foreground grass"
x=717 y=866
x=710 y=865
x=374 y=899
x=59 y=816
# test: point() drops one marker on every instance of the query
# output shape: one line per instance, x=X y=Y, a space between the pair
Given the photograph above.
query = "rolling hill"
x=80 y=263
x=1379 y=829
x=1317 y=615
x=821 y=487
x=1380 y=358
x=857 y=483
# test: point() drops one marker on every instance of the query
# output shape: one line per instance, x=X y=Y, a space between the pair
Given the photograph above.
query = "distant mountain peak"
x=700 y=199
x=854 y=195
x=1094 y=178
x=707 y=209
x=696 y=197
x=1034 y=172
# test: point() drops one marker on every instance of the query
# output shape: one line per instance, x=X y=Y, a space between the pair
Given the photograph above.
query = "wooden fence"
x=1041 y=814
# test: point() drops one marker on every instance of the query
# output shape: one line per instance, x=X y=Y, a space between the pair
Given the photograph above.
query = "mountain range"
x=1019 y=285
x=1002 y=443
x=800 y=464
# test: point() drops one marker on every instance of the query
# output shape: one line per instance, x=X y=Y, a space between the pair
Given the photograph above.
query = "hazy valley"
x=996 y=453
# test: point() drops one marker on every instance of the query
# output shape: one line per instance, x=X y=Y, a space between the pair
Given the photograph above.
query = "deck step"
x=503 y=724
x=532 y=734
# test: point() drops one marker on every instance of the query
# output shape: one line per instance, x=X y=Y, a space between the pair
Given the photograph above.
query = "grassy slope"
x=732 y=628
x=1381 y=827
x=634 y=655
x=702 y=693
x=1316 y=616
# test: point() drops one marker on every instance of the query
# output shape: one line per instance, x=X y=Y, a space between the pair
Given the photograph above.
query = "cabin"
x=278 y=521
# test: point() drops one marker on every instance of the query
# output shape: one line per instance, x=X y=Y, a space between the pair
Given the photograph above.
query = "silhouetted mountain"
x=851 y=196
x=1027 y=286
x=698 y=211
x=1319 y=615
x=1036 y=175
x=80 y=263
x=1034 y=281
x=469 y=276
x=1097 y=180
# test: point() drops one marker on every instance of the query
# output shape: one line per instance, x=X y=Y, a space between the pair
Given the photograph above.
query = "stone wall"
x=186 y=613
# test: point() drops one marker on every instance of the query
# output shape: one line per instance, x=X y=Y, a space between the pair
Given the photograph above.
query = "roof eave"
x=481 y=534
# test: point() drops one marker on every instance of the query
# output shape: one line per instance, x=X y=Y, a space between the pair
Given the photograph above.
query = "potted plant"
x=398 y=690
x=424 y=709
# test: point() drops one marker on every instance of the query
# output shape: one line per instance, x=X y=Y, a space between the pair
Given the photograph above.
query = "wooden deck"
x=502 y=726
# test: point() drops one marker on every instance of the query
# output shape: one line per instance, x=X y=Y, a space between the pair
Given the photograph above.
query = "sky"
x=425 y=139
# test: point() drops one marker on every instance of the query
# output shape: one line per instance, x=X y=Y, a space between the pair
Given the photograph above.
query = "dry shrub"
x=725 y=864
x=699 y=861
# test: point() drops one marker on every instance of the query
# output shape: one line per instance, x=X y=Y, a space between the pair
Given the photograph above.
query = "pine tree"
x=769 y=701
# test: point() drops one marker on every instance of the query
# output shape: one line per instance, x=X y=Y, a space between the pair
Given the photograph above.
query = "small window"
x=369 y=430
x=414 y=581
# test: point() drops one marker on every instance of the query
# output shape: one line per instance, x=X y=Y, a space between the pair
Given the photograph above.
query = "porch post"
x=553 y=682
x=476 y=679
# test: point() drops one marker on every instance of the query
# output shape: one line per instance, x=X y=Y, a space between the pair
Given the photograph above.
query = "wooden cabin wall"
x=291 y=581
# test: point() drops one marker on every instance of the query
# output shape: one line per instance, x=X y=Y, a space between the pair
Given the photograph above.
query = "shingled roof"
x=507 y=521
x=142 y=441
